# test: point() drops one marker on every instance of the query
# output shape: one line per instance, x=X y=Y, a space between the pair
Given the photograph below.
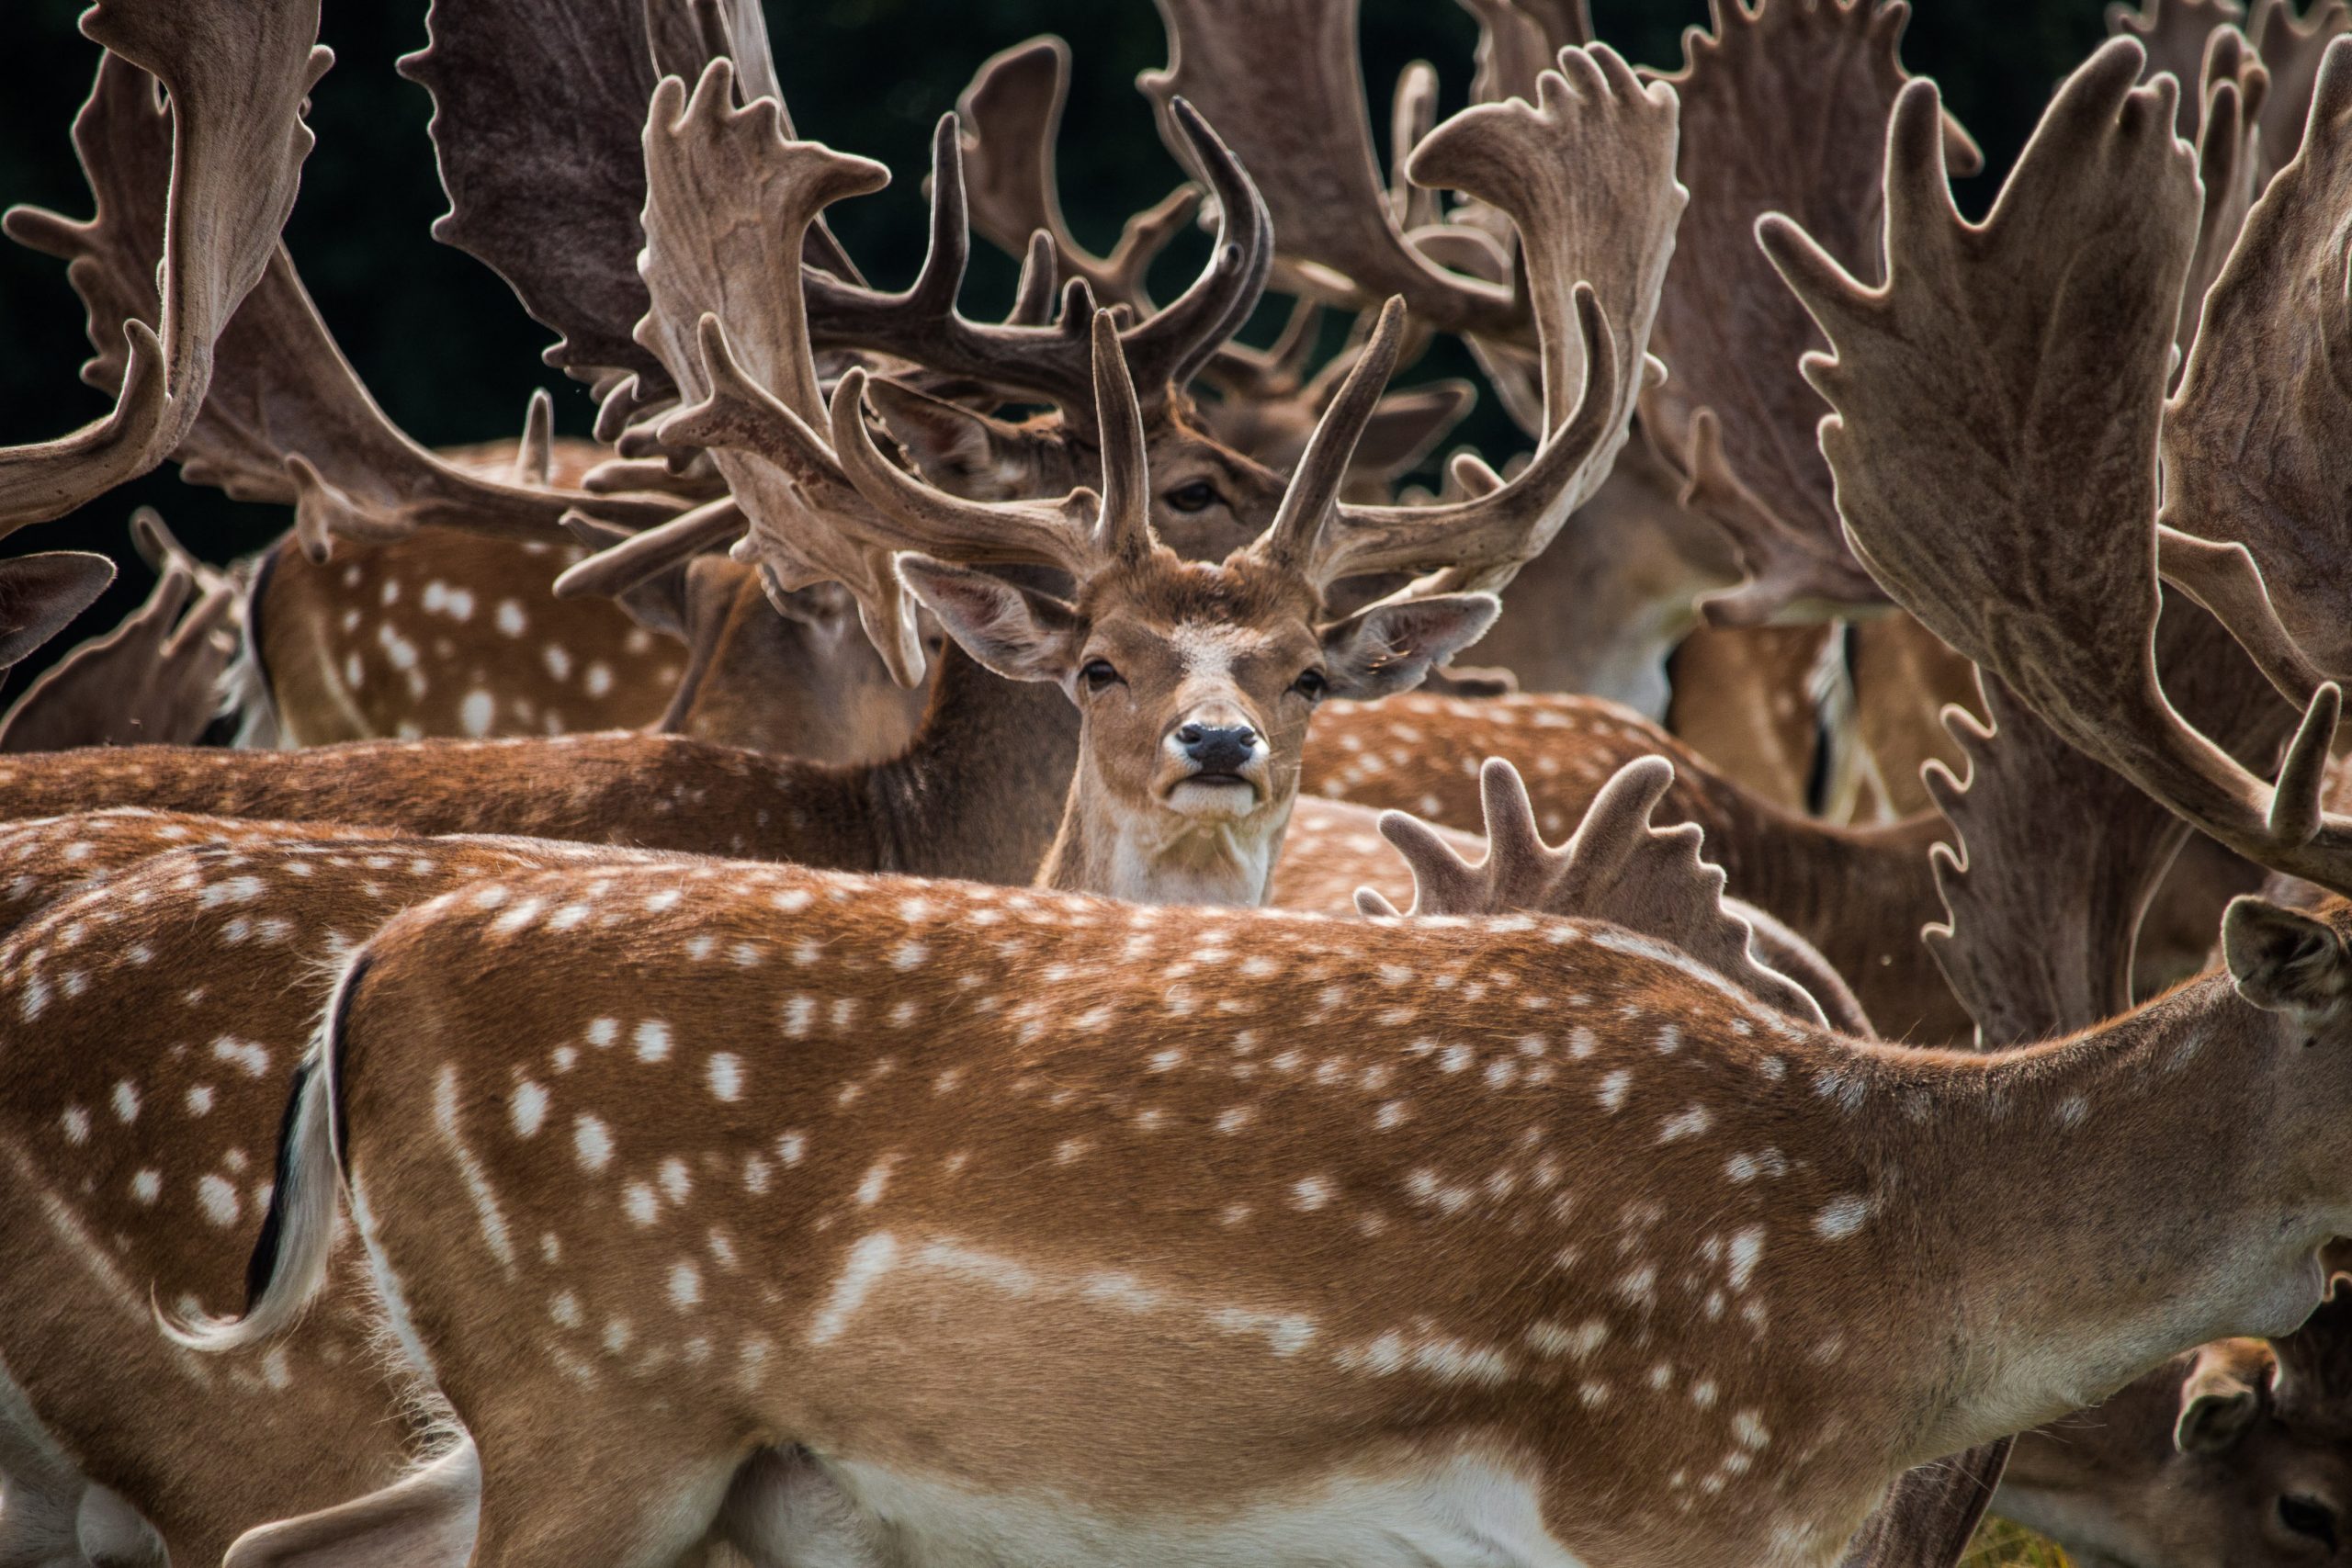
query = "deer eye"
x=2308 y=1516
x=1198 y=496
x=1098 y=675
x=1311 y=684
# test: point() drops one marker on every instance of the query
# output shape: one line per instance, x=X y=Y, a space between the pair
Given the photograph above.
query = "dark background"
x=450 y=355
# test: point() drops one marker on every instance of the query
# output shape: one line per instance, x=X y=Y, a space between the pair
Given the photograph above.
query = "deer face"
x=1194 y=684
x=2192 y=1466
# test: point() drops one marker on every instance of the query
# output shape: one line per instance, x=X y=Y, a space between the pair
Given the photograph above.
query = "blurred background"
x=451 y=357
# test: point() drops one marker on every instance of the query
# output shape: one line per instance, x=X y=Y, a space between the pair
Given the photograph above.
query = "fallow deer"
x=1345 y=1313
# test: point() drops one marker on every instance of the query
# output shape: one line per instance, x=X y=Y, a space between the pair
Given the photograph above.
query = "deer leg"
x=39 y=1489
x=784 y=1511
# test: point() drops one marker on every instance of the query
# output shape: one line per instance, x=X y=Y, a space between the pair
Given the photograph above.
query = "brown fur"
x=1433 y=1181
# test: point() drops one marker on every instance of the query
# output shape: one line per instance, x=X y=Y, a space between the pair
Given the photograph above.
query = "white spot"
x=675 y=1183
x=725 y=1072
x=1310 y=1193
x=217 y=1195
x=252 y=1058
x=877 y=1178
x=125 y=1101
x=1685 y=1124
x=593 y=1142
x=1840 y=1218
x=1612 y=1093
x=1746 y=1248
x=685 y=1285
x=76 y=1123
x=603 y=1032
x=199 y=1099
x=147 y=1186
x=565 y=1310
x=527 y=1106
x=511 y=619
x=652 y=1038
x=476 y=714
x=640 y=1204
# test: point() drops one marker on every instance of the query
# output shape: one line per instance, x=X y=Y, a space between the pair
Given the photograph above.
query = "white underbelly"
x=1460 y=1514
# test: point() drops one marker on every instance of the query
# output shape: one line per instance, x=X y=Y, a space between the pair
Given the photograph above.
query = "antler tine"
x=2263 y=376
x=1123 y=530
x=237 y=80
x=1587 y=172
x=1012 y=116
x=1282 y=80
x=1518 y=40
x=2294 y=49
x=2069 y=288
x=915 y=516
x=1169 y=347
x=621 y=563
x=2176 y=34
x=922 y=324
x=40 y=594
x=2232 y=90
x=1040 y=283
x=1617 y=867
x=1294 y=538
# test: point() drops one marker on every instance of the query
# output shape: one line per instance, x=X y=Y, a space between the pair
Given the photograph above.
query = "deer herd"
x=839 y=977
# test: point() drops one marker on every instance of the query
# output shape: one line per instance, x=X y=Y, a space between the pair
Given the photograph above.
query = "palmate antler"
x=1617 y=866
x=153 y=678
x=1997 y=404
x=282 y=416
x=539 y=127
x=729 y=200
x=1784 y=109
x=1011 y=117
x=40 y=594
x=237 y=76
x=2253 y=441
x=1586 y=172
x=1282 y=80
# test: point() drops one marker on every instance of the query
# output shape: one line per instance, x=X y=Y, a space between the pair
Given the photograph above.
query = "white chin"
x=1192 y=799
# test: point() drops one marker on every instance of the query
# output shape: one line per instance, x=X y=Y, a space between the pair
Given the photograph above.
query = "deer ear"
x=953 y=446
x=2219 y=1401
x=1388 y=647
x=1019 y=633
x=2283 y=960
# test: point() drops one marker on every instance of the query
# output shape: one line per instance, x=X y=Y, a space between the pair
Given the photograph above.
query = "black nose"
x=1217 y=749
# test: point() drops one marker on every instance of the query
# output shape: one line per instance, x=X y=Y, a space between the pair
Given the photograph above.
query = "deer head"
x=2232 y=1453
x=1193 y=684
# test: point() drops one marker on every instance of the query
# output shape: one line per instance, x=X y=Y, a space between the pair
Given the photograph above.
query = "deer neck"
x=974 y=795
x=1147 y=854
x=2090 y=1206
